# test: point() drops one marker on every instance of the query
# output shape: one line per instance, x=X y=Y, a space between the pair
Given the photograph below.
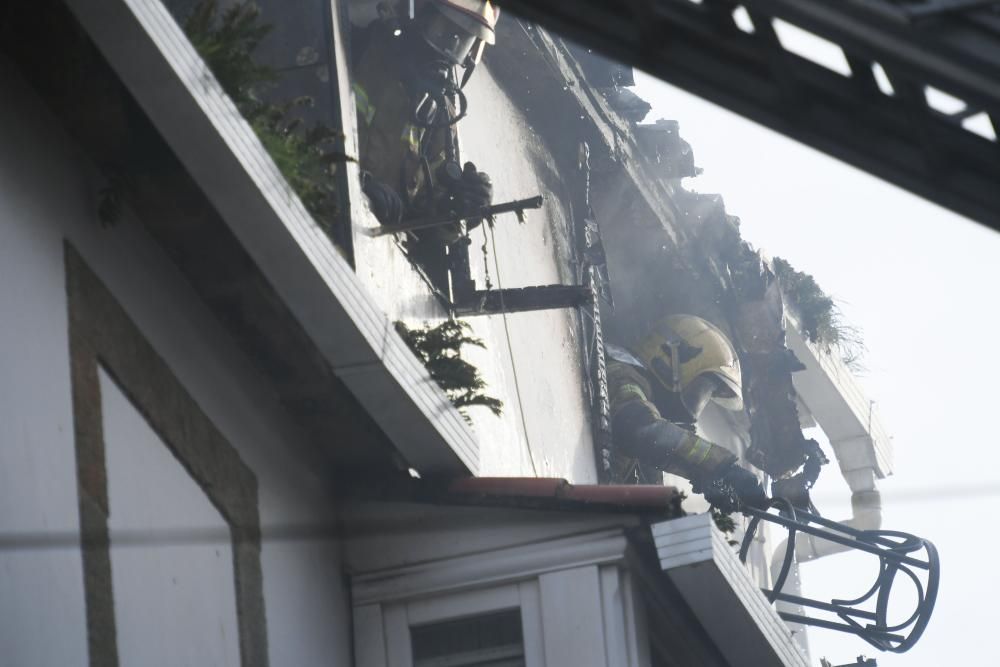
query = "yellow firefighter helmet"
x=683 y=350
x=461 y=27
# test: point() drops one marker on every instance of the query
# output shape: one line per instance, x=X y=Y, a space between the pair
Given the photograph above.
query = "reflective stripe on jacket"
x=668 y=447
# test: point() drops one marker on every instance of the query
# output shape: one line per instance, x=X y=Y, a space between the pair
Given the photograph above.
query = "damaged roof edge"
x=149 y=51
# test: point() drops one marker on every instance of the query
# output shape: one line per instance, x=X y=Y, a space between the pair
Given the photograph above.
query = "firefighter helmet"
x=454 y=27
x=692 y=357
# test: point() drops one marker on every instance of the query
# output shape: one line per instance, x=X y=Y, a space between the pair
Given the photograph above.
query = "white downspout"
x=866 y=503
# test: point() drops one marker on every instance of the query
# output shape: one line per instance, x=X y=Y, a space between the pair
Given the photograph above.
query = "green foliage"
x=723 y=522
x=305 y=156
x=820 y=317
x=817 y=310
x=439 y=348
x=227 y=44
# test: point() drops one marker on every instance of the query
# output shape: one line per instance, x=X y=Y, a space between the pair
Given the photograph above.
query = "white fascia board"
x=151 y=54
x=839 y=406
x=491 y=568
x=717 y=587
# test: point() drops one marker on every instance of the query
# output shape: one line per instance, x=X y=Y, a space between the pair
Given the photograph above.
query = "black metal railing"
x=866 y=616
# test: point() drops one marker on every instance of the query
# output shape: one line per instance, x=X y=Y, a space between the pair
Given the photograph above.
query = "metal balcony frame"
x=897 y=553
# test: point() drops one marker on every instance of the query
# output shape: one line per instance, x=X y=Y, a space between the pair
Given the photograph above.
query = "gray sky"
x=919 y=281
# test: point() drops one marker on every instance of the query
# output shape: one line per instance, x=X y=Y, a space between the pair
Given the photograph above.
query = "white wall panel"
x=531 y=623
x=545 y=344
x=41 y=589
x=175 y=598
x=48 y=194
x=573 y=618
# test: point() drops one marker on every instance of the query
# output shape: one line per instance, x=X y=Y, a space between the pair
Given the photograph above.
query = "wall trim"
x=102 y=336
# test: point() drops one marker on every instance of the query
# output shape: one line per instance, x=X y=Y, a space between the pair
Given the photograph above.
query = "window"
x=489 y=640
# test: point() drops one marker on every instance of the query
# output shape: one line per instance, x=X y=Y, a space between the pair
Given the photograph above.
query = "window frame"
x=578 y=585
x=382 y=631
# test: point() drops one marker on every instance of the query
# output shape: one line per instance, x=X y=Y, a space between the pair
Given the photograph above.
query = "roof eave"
x=154 y=59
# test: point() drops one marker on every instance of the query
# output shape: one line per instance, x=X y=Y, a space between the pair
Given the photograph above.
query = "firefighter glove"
x=385 y=203
x=733 y=490
x=474 y=190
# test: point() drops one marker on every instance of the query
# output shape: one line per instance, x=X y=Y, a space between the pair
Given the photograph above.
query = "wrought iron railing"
x=866 y=616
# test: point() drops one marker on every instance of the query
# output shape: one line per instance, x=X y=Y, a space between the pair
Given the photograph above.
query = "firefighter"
x=409 y=100
x=657 y=393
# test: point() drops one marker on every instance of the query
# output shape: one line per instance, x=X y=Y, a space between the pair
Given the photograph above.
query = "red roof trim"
x=634 y=496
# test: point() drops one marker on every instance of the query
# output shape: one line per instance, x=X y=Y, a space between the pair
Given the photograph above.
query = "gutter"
x=831 y=394
x=745 y=627
x=152 y=56
x=867 y=510
x=828 y=390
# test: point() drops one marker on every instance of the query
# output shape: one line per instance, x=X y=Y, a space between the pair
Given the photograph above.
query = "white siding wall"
x=48 y=194
x=544 y=351
x=41 y=592
x=545 y=345
x=191 y=618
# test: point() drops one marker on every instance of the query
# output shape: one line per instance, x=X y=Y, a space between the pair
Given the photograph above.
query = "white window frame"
x=382 y=631
x=576 y=601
